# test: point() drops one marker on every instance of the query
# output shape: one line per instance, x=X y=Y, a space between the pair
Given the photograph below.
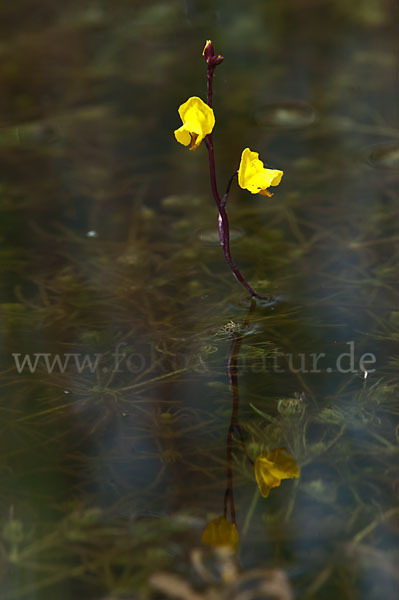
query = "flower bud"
x=215 y=60
x=208 y=51
x=209 y=54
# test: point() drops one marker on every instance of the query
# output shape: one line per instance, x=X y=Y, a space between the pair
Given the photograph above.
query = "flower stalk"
x=223 y=220
x=198 y=121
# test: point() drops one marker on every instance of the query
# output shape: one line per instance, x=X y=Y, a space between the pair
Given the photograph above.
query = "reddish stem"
x=223 y=221
x=232 y=373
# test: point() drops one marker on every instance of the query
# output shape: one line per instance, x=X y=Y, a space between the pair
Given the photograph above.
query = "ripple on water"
x=384 y=156
x=285 y=115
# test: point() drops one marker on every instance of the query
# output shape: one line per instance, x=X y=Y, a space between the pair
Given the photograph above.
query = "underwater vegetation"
x=163 y=432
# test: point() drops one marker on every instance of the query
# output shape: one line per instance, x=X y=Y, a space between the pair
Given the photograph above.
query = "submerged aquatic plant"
x=198 y=122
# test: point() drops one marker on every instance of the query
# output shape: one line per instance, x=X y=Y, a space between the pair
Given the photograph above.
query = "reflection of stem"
x=232 y=373
x=223 y=221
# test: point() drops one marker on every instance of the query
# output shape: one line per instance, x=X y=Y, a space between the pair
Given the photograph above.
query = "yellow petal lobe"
x=220 y=532
x=198 y=121
x=272 y=467
x=183 y=136
x=254 y=177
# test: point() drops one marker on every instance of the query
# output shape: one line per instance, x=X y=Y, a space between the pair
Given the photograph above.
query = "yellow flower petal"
x=183 y=136
x=220 y=532
x=254 y=177
x=272 y=467
x=198 y=121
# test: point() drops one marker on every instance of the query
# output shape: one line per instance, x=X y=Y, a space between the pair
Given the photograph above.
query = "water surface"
x=107 y=239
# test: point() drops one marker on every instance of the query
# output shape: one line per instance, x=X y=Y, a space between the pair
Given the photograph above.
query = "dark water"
x=108 y=475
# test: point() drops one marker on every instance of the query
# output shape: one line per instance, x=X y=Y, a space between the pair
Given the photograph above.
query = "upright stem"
x=212 y=169
x=225 y=242
x=223 y=221
x=210 y=81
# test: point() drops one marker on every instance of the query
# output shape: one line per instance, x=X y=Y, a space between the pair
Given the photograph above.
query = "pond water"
x=169 y=381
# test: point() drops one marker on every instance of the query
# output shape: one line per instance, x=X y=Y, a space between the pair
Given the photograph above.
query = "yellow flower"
x=220 y=532
x=254 y=177
x=272 y=467
x=198 y=120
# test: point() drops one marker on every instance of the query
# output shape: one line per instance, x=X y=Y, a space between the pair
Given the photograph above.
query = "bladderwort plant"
x=198 y=121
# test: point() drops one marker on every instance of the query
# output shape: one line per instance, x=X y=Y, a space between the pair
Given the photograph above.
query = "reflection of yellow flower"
x=254 y=177
x=220 y=532
x=198 y=120
x=272 y=467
